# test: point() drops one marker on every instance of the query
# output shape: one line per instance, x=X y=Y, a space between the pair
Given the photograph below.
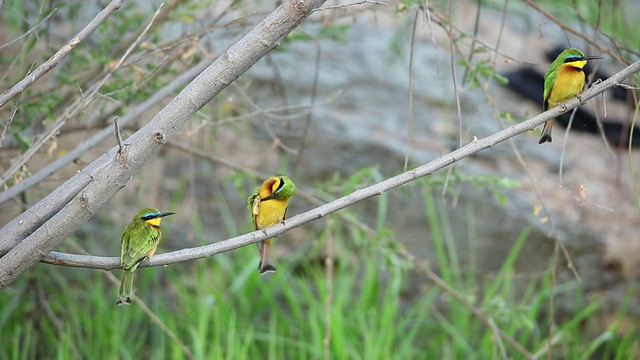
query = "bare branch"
x=62 y=53
x=307 y=125
x=116 y=131
x=628 y=87
x=333 y=7
x=100 y=136
x=9 y=121
x=33 y=28
x=145 y=143
x=131 y=47
x=108 y=263
x=423 y=267
x=75 y=108
x=42 y=211
x=410 y=109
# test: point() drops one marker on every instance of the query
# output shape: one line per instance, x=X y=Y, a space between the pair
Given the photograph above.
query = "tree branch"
x=62 y=53
x=32 y=29
x=109 y=263
x=116 y=171
x=78 y=106
x=334 y=7
x=42 y=211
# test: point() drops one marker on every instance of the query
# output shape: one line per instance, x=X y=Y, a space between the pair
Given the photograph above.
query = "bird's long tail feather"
x=266 y=262
x=126 y=288
x=546 y=132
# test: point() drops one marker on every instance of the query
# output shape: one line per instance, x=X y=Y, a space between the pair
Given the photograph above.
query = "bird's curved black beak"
x=165 y=214
x=592 y=57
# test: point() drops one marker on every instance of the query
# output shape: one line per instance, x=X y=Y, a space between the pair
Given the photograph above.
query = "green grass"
x=220 y=308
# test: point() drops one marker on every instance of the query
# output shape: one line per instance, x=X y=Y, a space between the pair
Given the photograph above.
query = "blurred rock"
x=367 y=126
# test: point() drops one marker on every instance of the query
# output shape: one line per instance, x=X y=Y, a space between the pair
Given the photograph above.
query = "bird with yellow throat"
x=268 y=206
x=140 y=241
x=564 y=80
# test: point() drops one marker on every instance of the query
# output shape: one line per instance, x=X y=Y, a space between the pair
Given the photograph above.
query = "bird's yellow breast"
x=568 y=83
x=270 y=213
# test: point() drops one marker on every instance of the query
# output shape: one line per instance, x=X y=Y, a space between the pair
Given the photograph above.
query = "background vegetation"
x=346 y=287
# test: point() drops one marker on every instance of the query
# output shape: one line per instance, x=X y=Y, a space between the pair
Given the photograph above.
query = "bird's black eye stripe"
x=149 y=216
x=572 y=58
x=280 y=186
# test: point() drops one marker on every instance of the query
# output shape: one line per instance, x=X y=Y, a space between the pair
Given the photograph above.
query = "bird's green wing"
x=549 y=79
x=137 y=240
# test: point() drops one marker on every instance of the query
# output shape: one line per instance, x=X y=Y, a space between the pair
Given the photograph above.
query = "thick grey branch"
x=62 y=53
x=147 y=141
x=108 y=263
x=26 y=223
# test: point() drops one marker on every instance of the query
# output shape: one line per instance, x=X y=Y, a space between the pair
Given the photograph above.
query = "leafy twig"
x=58 y=222
x=347 y=200
x=33 y=28
x=76 y=108
x=132 y=114
x=62 y=53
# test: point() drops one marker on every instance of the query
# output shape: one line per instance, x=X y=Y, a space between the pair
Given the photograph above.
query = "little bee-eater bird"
x=268 y=206
x=564 y=80
x=140 y=240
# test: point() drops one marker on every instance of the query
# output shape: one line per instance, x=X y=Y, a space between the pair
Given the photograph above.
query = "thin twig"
x=552 y=286
x=62 y=53
x=124 y=56
x=9 y=120
x=410 y=110
x=83 y=147
x=116 y=131
x=300 y=193
x=350 y=199
x=76 y=108
x=454 y=74
x=307 y=125
x=31 y=237
x=423 y=268
x=474 y=39
x=498 y=338
x=536 y=189
x=636 y=188
x=55 y=320
x=270 y=112
x=154 y=318
x=628 y=87
x=328 y=309
x=33 y=28
x=562 y=24
x=333 y=7
x=162 y=325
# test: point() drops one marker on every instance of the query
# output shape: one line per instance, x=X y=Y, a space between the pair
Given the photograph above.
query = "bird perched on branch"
x=268 y=206
x=140 y=240
x=564 y=80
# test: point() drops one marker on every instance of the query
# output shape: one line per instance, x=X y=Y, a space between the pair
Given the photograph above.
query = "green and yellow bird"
x=140 y=240
x=564 y=80
x=268 y=206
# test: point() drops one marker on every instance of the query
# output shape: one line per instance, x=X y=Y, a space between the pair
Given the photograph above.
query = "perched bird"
x=268 y=206
x=564 y=80
x=139 y=241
